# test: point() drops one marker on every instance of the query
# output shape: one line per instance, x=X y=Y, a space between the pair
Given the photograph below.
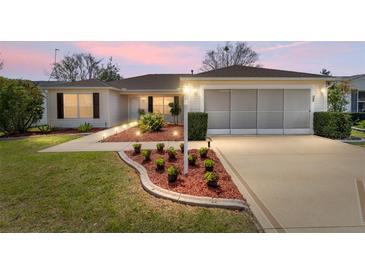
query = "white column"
x=186 y=147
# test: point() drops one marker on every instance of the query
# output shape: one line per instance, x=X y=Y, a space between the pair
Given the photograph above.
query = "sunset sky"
x=32 y=60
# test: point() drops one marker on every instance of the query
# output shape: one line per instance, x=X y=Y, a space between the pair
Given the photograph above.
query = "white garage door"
x=258 y=111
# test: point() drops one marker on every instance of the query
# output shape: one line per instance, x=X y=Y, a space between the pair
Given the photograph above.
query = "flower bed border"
x=160 y=192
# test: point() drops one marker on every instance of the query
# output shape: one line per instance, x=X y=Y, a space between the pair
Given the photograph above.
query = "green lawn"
x=91 y=192
x=356 y=133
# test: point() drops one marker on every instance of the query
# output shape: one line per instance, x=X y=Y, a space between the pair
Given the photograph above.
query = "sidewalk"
x=93 y=142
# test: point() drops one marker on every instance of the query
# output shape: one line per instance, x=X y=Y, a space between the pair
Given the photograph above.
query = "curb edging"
x=179 y=197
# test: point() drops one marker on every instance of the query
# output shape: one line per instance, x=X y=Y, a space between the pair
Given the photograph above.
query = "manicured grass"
x=91 y=192
x=357 y=133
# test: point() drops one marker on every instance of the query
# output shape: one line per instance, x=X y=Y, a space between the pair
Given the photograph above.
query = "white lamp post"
x=186 y=110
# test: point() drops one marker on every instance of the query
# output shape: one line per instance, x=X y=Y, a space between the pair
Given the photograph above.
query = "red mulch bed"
x=193 y=183
x=166 y=134
x=56 y=131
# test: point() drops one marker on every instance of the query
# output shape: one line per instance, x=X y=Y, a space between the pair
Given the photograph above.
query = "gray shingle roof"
x=246 y=71
x=150 y=81
x=93 y=83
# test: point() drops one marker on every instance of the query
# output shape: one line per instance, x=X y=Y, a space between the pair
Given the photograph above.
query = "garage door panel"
x=270 y=100
x=243 y=120
x=297 y=100
x=297 y=119
x=218 y=119
x=270 y=120
x=217 y=100
x=243 y=100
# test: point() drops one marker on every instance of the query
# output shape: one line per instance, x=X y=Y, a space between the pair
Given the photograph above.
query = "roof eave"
x=258 y=78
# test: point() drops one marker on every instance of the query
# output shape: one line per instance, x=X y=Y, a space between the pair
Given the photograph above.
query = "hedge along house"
x=238 y=100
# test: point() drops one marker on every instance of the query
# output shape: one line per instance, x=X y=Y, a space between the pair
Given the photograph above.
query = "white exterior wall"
x=103 y=121
x=319 y=91
x=118 y=108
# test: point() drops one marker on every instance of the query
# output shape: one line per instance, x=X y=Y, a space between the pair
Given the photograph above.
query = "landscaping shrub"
x=146 y=153
x=172 y=174
x=21 y=105
x=182 y=147
x=209 y=164
x=137 y=148
x=334 y=125
x=197 y=125
x=171 y=151
x=160 y=147
x=192 y=159
x=203 y=152
x=45 y=129
x=85 y=127
x=361 y=124
x=151 y=122
x=160 y=163
x=357 y=116
x=211 y=179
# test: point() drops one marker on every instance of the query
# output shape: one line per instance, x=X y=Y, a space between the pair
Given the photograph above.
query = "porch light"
x=138 y=133
x=175 y=133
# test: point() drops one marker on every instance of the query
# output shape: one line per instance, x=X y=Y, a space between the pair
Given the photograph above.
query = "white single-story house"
x=238 y=99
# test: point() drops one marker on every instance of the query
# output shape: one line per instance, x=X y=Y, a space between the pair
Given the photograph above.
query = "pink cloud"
x=25 y=59
x=146 y=53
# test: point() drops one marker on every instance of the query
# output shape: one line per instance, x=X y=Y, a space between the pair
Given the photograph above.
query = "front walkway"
x=298 y=183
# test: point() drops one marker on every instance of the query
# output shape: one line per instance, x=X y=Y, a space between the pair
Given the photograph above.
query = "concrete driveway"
x=298 y=183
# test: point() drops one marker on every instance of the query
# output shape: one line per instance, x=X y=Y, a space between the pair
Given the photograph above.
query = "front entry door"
x=133 y=108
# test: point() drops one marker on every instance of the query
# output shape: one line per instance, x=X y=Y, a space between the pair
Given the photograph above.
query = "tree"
x=337 y=100
x=110 y=72
x=83 y=66
x=238 y=53
x=175 y=110
x=325 y=72
x=20 y=105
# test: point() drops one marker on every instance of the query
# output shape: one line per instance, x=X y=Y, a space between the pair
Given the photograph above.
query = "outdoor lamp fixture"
x=138 y=133
x=175 y=133
x=187 y=91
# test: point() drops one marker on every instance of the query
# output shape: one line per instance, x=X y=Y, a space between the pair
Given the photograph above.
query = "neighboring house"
x=238 y=100
x=356 y=98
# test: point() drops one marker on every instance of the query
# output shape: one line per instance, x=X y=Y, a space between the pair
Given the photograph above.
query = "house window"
x=70 y=105
x=78 y=105
x=161 y=104
x=361 y=101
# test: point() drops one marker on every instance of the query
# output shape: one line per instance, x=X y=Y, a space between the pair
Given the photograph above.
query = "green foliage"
x=211 y=178
x=151 y=122
x=172 y=170
x=175 y=111
x=137 y=148
x=181 y=145
x=334 y=125
x=160 y=147
x=160 y=162
x=337 y=97
x=146 y=153
x=20 y=105
x=45 y=129
x=361 y=124
x=171 y=151
x=85 y=127
x=357 y=117
x=197 y=125
x=192 y=159
x=209 y=164
x=110 y=72
x=203 y=152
